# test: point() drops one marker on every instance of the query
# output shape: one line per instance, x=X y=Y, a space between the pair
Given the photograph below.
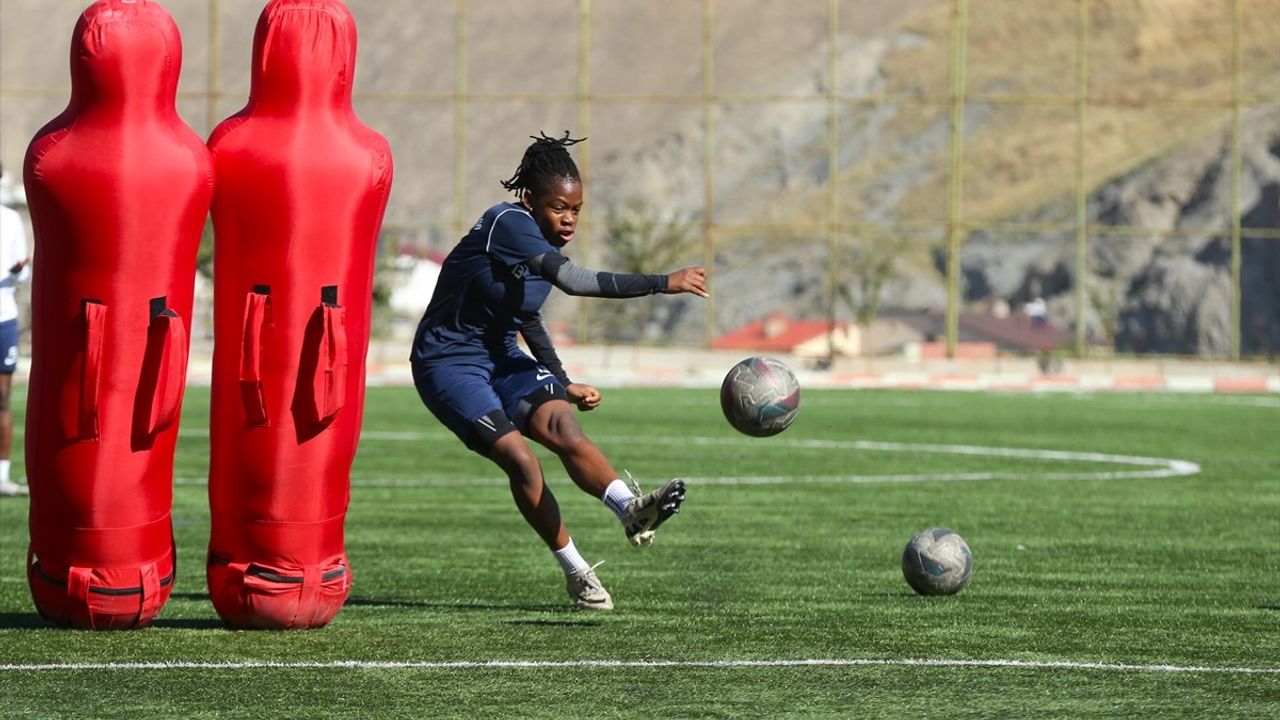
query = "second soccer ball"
x=937 y=561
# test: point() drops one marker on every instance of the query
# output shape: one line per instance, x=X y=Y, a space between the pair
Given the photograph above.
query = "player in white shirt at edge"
x=15 y=268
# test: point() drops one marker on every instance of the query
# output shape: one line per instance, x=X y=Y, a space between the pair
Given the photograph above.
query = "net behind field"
x=912 y=131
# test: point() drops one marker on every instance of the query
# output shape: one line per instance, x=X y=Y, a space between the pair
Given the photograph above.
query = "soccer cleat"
x=586 y=591
x=8 y=487
x=647 y=512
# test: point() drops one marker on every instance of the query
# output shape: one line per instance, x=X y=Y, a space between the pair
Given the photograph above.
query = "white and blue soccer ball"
x=760 y=396
x=937 y=561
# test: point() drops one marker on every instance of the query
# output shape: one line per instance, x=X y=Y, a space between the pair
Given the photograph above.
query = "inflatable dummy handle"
x=95 y=327
x=330 y=381
x=256 y=306
x=169 y=387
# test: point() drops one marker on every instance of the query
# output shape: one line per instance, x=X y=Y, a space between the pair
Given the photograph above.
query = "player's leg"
x=524 y=475
x=463 y=400
x=539 y=507
x=551 y=422
x=545 y=415
x=8 y=364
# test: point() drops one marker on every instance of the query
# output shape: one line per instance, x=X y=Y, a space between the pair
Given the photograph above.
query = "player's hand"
x=585 y=397
x=17 y=267
x=691 y=280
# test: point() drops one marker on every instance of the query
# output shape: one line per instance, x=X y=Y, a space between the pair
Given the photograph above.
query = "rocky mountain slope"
x=1167 y=289
x=1157 y=166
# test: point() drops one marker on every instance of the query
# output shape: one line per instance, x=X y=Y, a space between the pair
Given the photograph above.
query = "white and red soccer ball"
x=760 y=397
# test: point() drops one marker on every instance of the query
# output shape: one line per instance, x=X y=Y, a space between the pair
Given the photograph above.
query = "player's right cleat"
x=647 y=512
x=586 y=591
x=8 y=487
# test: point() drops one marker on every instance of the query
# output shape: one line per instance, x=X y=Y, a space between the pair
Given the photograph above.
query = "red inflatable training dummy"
x=302 y=186
x=119 y=188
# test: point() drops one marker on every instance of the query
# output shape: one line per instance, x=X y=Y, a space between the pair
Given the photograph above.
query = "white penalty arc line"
x=641 y=664
x=1157 y=467
x=1152 y=467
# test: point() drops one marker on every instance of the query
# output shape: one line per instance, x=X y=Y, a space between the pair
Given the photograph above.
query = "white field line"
x=1152 y=467
x=569 y=664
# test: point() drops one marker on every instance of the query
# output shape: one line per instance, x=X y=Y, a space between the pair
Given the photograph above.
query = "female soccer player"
x=476 y=380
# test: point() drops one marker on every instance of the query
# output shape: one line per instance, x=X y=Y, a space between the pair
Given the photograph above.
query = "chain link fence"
x=889 y=164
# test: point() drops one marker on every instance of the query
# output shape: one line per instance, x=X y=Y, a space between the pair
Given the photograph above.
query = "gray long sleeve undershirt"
x=575 y=280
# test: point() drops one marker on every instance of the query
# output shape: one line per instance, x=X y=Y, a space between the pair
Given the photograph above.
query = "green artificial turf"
x=1125 y=588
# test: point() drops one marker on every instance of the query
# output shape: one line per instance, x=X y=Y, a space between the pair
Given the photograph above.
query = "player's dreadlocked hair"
x=546 y=160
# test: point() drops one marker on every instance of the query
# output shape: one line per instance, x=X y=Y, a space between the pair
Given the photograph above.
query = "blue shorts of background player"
x=8 y=364
x=8 y=347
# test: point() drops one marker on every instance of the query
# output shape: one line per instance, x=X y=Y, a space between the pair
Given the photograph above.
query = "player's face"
x=556 y=210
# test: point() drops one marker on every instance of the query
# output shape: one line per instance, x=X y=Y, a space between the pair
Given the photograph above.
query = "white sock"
x=4 y=471
x=617 y=497
x=570 y=560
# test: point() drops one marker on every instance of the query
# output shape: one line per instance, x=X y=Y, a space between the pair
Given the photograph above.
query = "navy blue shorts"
x=8 y=347
x=481 y=401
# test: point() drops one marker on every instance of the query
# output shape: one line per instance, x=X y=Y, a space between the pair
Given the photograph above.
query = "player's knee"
x=507 y=447
x=564 y=434
x=4 y=401
x=517 y=459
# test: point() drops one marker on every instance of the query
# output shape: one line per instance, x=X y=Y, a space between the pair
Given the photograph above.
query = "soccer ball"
x=937 y=562
x=760 y=397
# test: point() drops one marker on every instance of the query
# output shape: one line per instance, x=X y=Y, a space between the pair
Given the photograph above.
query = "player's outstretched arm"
x=577 y=280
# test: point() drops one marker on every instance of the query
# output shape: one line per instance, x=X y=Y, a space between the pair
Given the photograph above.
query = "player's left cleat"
x=10 y=488
x=586 y=590
x=647 y=512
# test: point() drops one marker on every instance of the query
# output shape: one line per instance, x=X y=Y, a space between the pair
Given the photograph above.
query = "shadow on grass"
x=189 y=624
x=459 y=606
x=555 y=623
x=420 y=604
x=33 y=621
x=559 y=611
x=24 y=621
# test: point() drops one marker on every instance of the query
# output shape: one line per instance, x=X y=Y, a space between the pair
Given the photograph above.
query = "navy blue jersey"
x=485 y=291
